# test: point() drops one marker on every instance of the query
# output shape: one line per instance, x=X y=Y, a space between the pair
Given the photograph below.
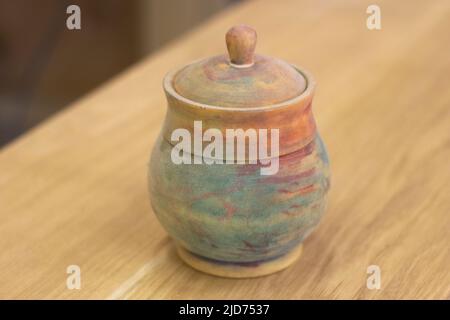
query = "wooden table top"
x=73 y=191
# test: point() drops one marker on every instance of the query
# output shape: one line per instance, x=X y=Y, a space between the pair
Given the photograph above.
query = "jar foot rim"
x=239 y=270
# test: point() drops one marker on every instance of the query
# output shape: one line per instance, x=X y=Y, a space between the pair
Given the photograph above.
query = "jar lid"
x=242 y=79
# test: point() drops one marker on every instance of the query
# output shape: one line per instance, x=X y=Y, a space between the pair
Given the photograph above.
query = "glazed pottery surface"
x=229 y=219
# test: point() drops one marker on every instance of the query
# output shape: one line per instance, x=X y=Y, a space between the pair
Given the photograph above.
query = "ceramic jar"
x=229 y=217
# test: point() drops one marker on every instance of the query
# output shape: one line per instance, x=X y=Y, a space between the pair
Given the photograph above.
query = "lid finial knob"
x=241 y=43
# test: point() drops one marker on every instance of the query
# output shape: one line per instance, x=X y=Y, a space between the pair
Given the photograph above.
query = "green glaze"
x=231 y=212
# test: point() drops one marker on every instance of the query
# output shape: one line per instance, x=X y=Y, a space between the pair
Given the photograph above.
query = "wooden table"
x=73 y=191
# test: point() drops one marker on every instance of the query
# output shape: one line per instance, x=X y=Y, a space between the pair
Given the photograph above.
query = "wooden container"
x=233 y=219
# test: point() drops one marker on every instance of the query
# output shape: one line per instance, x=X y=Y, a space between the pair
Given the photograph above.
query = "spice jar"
x=239 y=174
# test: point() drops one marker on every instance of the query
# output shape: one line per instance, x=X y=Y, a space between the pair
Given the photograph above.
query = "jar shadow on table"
x=174 y=261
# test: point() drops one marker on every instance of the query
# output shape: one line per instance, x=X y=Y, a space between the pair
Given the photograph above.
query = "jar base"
x=239 y=270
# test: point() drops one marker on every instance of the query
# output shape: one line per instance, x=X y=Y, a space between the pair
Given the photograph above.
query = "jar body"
x=232 y=213
x=230 y=219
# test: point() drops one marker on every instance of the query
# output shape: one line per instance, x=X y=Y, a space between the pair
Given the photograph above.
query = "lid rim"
x=309 y=91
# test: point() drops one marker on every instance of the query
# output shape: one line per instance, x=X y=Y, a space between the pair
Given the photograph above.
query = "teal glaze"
x=232 y=213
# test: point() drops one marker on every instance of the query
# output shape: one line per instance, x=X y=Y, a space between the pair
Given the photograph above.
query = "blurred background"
x=44 y=67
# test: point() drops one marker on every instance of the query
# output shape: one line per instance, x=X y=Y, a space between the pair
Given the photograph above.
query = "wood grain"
x=74 y=189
